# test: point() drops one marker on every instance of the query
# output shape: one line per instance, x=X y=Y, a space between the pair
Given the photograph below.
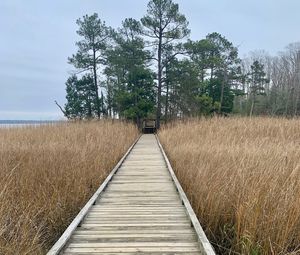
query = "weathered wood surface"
x=140 y=211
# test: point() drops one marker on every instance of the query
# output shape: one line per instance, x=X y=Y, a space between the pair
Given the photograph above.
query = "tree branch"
x=76 y=72
x=152 y=58
x=168 y=60
x=60 y=107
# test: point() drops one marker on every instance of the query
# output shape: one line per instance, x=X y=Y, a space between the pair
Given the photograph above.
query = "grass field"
x=242 y=177
x=48 y=173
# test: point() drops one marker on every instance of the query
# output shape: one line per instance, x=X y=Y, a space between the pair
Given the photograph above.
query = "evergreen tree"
x=163 y=24
x=200 y=53
x=188 y=93
x=81 y=98
x=224 y=62
x=257 y=81
x=95 y=35
x=133 y=92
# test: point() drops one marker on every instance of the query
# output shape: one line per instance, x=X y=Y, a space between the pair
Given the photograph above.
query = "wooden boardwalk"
x=139 y=210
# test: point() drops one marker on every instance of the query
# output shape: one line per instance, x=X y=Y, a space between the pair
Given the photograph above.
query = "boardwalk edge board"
x=206 y=247
x=62 y=241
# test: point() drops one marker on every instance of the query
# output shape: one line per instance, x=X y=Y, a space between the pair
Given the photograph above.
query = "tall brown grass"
x=48 y=173
x=243 y=179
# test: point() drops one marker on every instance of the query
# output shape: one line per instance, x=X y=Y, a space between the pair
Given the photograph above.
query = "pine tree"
x=163 y=24
x=95 y=35
x=127 y=72
x=81 y=98
x=257 y=81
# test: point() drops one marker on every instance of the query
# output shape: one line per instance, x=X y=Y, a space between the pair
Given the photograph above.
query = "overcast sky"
x=36 y=37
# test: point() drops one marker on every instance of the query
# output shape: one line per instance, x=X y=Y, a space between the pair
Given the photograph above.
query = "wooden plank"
x=132 y=249
x=130 y=244
x=134 y=237
x=134 y=231
x=171 y=210
x=138 y=178
x=137 y=220
x=133 y=212
x=136 y=223
x=147 y=195
x=134 y=253
x=157 y=210
x=117 y=228
x=137 y=199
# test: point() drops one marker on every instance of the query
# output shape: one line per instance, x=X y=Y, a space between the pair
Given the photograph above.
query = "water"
x=25 y=123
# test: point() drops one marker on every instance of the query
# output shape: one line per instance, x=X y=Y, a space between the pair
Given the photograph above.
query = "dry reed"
x=243 y=179
x=48 y=173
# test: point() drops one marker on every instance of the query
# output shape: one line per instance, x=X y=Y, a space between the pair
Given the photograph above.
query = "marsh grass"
x=48 y=173
x=242 y=177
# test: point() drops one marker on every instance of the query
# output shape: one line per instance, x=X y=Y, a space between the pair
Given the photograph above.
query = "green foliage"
x=94 y=34
x=133 y=92
x=214 y=91
x=200 y=53
x=257 y=79
x=164 y=25
x=163 y=20
x=204 y=80
x=184 y=87
x=249 y=246
x=136 y=100
x=205 y=105
x=217 y=64
x=81 y=98
x=222 y=52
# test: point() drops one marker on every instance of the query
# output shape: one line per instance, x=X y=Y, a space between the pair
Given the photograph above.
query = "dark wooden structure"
x=149 y=126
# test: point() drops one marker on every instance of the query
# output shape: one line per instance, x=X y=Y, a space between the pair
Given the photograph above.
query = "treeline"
x=149 y=68
x=281 y=94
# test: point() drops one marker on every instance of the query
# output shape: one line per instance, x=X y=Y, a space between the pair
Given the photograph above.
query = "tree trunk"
x=222 y=96
x=167 y=102
x=167 y=96
x=252 y=106
x=109 y=99
x=202 y=74
x=211 y=68
x=96 y=85
x=296 y=104
x=287 y=102
x=159 y=77
x=222 y=90
x=101 y=103
x=89 y=107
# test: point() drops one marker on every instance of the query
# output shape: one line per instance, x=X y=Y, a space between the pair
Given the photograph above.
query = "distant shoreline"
x=24 y=123
x=29 y=121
